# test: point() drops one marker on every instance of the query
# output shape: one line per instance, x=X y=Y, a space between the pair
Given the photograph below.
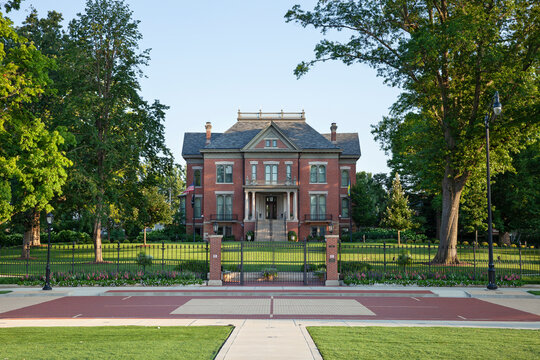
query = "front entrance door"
x=271 y=207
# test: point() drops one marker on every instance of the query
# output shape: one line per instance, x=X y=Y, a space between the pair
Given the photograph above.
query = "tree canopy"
x=448 y=57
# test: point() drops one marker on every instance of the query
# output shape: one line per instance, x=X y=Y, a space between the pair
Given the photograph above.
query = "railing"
x=271 y=115
x=251 y=182
x=318 y=217
x=385 y=258
x=224 y=217
x=74 y=258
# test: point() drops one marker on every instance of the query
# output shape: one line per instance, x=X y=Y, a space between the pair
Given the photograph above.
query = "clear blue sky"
x=211 y=58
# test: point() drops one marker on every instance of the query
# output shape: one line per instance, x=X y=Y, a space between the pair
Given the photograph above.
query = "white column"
x=253 y=208
x=246 y=205
x=295 y=205
x=288 y=205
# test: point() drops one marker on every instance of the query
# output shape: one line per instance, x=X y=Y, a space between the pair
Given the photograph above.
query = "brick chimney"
x=208 y=132
x=333 y=129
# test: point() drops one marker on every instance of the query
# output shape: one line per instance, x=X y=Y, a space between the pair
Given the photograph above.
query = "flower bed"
x=427 y=278
x=123 y=278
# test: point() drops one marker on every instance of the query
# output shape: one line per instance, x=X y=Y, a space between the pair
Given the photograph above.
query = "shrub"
x=70 y=236
x=310 y=267
x=11 y=240
x=409 y=242
x=250 y=236
x=153 y=236
x=144 y=260
x=465 y=243
x=269 y=273
x=484 y=244
x=495 y=244
x=291 y=236
x=435 y=241
x=195 y=266
x=125 y=241
x=228 y=238
x=513 y=245
x=105 y=241
x=405 y=258
x=348 y=267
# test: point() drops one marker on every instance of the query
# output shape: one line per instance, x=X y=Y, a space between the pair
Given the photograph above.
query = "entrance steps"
x=271 y=230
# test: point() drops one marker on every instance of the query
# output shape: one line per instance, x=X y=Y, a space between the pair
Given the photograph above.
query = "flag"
x=189 y=189
x=349 y=188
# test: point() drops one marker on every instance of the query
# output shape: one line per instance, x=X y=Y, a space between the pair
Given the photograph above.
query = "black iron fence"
x=472 y=260
x=73 y=258
x=276 y=262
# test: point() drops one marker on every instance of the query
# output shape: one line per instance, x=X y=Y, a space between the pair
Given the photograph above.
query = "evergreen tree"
x=398 y=214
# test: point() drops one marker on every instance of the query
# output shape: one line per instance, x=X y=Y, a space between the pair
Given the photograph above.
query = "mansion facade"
x=270 y=173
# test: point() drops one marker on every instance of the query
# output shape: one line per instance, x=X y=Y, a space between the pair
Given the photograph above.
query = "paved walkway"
x=270 y=322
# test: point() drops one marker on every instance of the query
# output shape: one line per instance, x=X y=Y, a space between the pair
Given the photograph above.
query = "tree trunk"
x=399 y=237
x=98 y=255
x=144 y=236
x=451 y=194
x=31 y=232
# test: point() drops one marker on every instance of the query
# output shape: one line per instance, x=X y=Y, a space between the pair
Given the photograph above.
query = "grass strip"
x=534 y=292
x=425 y=343
x=113 y=342
x=4 y=292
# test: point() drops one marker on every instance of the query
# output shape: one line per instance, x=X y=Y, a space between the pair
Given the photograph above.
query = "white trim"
x=224 y=163
x=253 y=162
x=197 y=167
x=318 y=192
x=271 y=162
x=344 y=168
x=343 y=196
x=224 y=192
x=318 y=163
x=288 y=163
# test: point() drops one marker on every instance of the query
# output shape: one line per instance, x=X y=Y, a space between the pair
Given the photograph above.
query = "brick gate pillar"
x=332 y=275
x=215 y=260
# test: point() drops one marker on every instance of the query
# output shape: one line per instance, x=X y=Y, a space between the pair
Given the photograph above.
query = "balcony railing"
x=250 y=182
x=318 y=217
x=223 y=217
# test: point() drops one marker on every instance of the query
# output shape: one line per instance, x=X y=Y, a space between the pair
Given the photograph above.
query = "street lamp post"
x=497 y=109
x=50 y=218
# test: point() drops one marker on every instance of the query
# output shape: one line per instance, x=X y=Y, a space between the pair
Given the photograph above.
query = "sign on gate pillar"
x=215 y=260
x=332 y=275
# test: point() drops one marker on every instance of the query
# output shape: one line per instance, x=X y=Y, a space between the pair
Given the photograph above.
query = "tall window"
x=317 y=174
x=197 y=177
x=224 y=174
x=253 y=172
x=183 y=209
x=344 y=207
x=318 y=207
x=289 y=172
x=344 y=178
x=224 y=207
x=197 y=208
x=270 y=174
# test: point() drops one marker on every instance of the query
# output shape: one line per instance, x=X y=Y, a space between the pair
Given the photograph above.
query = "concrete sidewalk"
x=269 y=338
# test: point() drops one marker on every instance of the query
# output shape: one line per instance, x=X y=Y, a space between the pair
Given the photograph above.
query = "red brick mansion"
x=270 y=173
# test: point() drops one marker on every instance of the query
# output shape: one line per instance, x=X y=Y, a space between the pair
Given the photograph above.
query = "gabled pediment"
x=270 y=138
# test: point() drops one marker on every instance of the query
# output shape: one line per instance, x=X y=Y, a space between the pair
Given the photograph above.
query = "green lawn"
x=114 y=342
x=534 y=292
x=4 y=292
x=425 y=343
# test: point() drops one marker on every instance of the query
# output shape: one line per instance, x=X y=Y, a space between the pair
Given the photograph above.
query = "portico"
x=270 y=203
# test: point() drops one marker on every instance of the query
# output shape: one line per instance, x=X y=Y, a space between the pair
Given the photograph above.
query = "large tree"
x=448 y=57
x=116 y=130
x=32 y=165
x=368 y=198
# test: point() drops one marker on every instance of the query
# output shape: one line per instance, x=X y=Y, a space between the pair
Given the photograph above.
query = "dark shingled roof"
x=348 y=142
x=299 y=132
x=194 y=142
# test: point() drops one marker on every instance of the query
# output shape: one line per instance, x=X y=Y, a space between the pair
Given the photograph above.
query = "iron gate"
x=273 y=262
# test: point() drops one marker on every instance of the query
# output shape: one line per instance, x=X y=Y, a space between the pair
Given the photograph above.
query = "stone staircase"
x=271 y=230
